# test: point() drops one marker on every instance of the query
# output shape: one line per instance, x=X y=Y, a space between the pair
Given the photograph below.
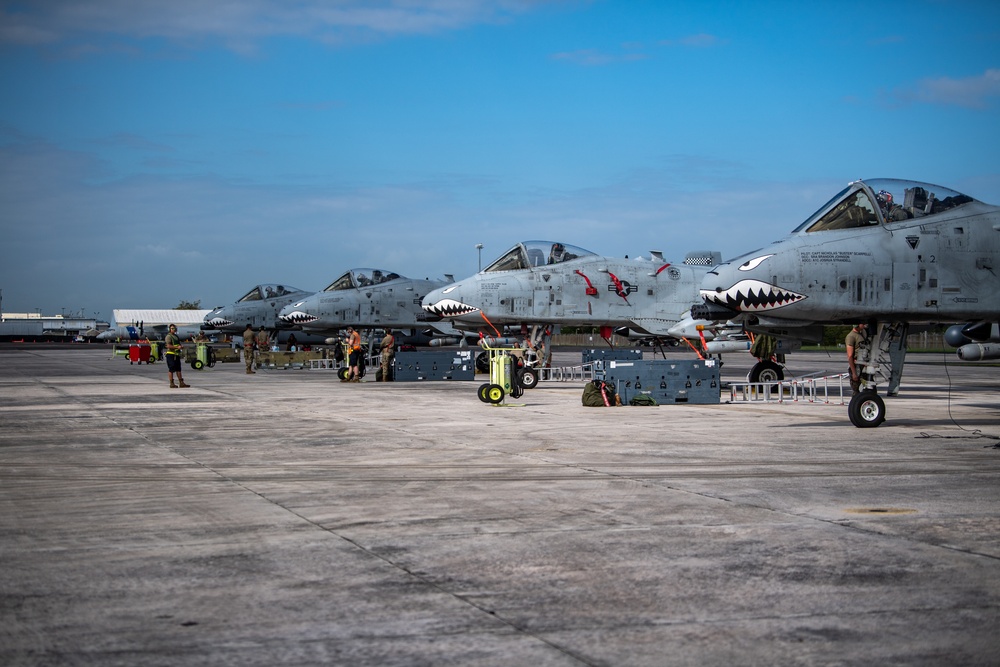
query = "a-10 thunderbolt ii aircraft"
x=259 y=307
x=886 y=252
x=372 y=299
x=141 y=331
x=541 y=283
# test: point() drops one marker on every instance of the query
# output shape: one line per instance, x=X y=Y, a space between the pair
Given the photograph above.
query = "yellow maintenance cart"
x=204 y=355
x=508 y=374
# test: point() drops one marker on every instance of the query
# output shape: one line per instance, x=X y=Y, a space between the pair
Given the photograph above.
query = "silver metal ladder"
x=582 y=373
x=824 y=389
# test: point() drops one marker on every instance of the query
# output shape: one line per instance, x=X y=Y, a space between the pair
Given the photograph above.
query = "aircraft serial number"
x=832 y=256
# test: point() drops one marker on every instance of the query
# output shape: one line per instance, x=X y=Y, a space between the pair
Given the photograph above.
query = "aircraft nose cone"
x=300 y=312
x=752 y=296
x=449 y=308
x=297 y=317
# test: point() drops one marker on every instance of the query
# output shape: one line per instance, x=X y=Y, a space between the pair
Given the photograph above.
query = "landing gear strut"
x=882 y=356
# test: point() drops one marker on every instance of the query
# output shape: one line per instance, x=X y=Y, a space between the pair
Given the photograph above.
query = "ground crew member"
x=852 y=342
x=263 y=342
x=248 y=345
x=173 y=356
x=354 y=352
x=388 y=348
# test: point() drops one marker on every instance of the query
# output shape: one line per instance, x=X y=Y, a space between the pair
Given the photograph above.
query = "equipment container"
x=434 y=365
x=625 y=354
x=668 y=382
x=138 y=353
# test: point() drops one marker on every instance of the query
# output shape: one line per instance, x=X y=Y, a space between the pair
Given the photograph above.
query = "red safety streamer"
x=619 y=288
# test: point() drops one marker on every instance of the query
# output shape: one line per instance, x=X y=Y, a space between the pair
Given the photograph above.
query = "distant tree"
x=835 y=335
x=189 y=305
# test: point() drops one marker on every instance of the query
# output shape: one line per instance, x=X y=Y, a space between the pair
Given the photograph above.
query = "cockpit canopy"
x=530 y=254
x=268 y=291
x=356 y=278
x=881 y=201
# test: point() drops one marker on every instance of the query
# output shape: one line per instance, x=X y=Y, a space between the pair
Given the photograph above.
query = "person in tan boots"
x=248 y=348
x=173 y=356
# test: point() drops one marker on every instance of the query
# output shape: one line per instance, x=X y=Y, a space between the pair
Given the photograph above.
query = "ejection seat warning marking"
x=828 y=256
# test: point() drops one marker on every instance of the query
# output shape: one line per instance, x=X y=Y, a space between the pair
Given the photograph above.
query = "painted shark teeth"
x=449 y=308
x=298 y=317
x=753 y=296
x=219 y=322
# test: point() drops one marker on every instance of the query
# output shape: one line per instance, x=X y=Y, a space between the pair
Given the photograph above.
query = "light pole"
x=479 y=247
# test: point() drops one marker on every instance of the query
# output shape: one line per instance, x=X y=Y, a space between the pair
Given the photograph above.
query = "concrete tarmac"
x=285 y=518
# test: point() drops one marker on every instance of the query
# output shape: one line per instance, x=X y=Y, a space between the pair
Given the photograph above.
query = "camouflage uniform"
x=388 y=347
x=263 y=343
x=248 y=345
x=856 y=354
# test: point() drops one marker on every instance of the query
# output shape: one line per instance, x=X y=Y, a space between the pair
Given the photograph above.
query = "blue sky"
x=154 y=152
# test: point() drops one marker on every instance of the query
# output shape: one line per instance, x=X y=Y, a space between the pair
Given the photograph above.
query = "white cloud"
x=631 y=51
x=241 y=24
x=974 y=92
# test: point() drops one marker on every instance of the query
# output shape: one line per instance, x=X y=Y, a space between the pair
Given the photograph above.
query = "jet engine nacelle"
x=979 y=351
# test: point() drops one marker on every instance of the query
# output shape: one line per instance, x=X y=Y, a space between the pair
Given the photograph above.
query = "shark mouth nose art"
x=219 y=322
x=753 y=296
x=449 y=308
x=298 y=317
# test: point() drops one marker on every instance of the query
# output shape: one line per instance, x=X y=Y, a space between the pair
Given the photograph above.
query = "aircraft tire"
x=766 y=371
x=483 y=396
x=528 y=378
x=495 y=393
x=866 y=409
x=483 y=362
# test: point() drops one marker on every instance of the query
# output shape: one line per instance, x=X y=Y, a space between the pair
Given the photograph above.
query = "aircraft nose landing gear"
x=866 y=409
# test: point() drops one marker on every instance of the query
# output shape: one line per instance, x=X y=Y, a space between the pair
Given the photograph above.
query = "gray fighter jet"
x=886 y=252
x=141 y=331
x=538 y=284
x=371 y=299
x=259 y=307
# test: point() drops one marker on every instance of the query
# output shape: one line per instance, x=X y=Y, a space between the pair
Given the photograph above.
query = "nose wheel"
x=866 y=410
